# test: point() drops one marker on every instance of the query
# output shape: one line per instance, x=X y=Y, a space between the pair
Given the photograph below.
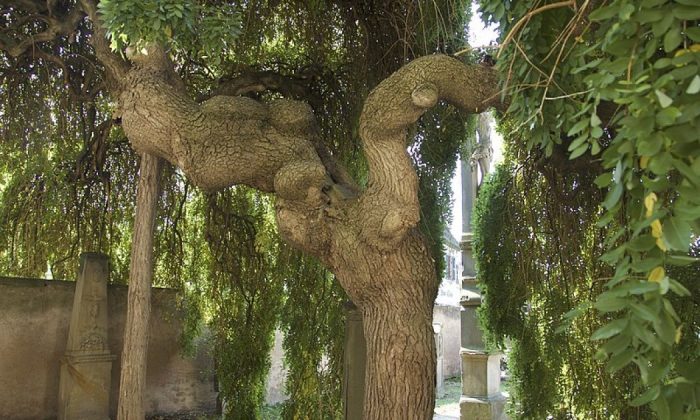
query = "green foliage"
x=535 y=262
x=620 y=80
x=245 y=296
x=204 y=29
x=494 y=245
x=313 y=325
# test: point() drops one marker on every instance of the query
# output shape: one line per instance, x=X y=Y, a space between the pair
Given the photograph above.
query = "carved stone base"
x=84 y=386
x=481 y=373
x=483 y=408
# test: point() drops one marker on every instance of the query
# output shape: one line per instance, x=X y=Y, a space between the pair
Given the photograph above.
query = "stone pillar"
x=354 y=363
x=439 y=350
x=86 y=367
x=481 y=374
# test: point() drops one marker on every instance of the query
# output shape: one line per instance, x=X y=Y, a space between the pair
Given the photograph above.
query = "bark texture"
x=369 y=238
x=132 y=383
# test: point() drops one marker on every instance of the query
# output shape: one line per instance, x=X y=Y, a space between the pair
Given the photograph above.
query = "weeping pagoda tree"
x=313 y=104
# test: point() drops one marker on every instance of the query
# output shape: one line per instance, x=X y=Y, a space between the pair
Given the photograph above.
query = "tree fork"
x=132 y=384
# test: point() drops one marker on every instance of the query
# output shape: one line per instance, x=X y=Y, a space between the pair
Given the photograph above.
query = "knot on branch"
x=301 y=181
x=292 y=116
x=397 y=222
x=425 y=95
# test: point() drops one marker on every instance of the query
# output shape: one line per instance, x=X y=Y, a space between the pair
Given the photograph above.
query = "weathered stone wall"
x=448 y=316
x=34 y=320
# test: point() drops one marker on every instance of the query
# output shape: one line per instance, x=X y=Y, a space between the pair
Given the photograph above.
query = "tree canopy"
x=69 y=174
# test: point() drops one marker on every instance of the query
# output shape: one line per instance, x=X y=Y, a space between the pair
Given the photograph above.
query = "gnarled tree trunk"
x=368 y=238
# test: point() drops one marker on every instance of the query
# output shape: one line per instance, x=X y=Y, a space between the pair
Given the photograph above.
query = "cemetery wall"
x=34 y=320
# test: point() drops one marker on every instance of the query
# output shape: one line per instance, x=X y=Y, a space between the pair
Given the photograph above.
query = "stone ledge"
x=491 y=408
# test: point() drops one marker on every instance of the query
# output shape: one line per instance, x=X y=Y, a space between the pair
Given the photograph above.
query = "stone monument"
x=86 y=367
x=481 y=374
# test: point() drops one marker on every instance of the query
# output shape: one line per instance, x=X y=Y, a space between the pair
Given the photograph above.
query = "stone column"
x=481 y=375
x=86 y=367
x=354 y=363
x=439 y=350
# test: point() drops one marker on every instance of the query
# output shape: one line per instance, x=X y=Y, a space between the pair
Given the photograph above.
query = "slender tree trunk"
x=132 y=383
x=400 y=375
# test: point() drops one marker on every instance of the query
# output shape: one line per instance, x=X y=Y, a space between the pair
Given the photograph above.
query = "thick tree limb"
x=391 y=199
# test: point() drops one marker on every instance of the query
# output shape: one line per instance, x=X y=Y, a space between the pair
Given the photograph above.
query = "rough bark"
x=369 y=238
x=132 y=384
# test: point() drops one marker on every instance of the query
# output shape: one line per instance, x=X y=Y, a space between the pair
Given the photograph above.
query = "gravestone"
x=86 y=367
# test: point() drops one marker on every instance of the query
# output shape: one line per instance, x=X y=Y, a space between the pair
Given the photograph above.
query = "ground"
x=446 y=408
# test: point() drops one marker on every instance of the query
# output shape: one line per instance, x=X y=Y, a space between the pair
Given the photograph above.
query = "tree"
x=595 y=239
x=368 y=236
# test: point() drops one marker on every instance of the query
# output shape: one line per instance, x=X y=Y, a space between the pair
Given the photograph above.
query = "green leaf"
x=664 y=100
x=650 y=145
x=577 y=143
x=690 y=12
x=693 y=33
x=677 y=234
x=649 y=338
x=620 y=360
x=659 y=28
x=579 y=151
x=665 y=328
x=604 y=13
x=678 y=288
x=667 y=116
x=660 y=406
x=662 y=63
x=672 y=38
x=643 y=287
x=577 y=128
x=642 y=243
x=611 y=329
x=643 y=311
x=613 y=196
x=681 y=260
x=661 y=163
x=603 y=180
x=694 y=86
x=617 y=344
x=649 y=395
x=607 y=303
x=596 y=132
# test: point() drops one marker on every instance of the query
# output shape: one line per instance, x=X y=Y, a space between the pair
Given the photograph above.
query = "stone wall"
x=34 y=319
x=448 y=316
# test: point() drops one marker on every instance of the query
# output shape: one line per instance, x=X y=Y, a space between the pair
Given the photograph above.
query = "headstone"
x=86 y=367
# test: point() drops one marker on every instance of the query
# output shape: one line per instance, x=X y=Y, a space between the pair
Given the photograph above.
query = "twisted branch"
x=391 y=199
